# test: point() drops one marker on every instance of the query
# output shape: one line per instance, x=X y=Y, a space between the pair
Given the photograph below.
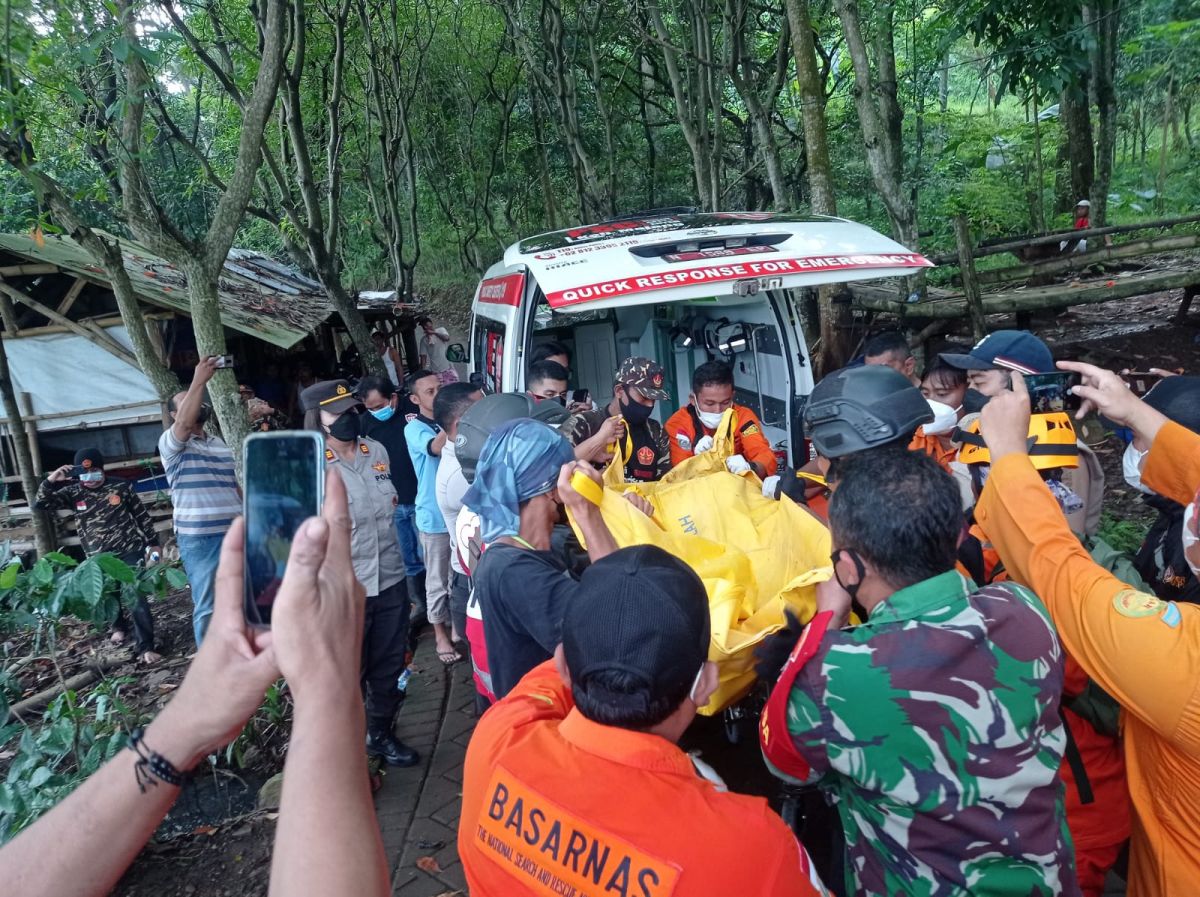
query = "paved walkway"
x=418 y=807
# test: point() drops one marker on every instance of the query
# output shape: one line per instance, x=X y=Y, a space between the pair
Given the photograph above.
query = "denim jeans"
x=406 y=529
x=200 y=555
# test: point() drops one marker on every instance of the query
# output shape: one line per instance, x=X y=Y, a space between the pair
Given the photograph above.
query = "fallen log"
x=37 y=702
x=1077 y=261
x=1035 y=298
x=1059 y=236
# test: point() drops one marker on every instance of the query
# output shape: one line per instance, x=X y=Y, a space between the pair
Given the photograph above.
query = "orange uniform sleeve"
x=679 y=422
x=1142 y=651
x=540 y=695
x=752 y=441
x=1173 y=466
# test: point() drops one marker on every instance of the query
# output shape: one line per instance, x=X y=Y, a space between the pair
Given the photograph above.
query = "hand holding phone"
x=284 y=486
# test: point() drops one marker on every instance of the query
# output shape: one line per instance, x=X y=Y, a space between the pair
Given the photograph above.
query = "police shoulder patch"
x=1131 y=603
x=364 y=448
x=328 y=454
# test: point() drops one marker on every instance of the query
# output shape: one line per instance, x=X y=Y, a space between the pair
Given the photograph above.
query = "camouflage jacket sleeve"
x=577 y=428
x=49 y=498
x=140 y=514
x=662 y=449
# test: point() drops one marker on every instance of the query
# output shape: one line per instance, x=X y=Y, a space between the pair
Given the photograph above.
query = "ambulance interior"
x=755 y=334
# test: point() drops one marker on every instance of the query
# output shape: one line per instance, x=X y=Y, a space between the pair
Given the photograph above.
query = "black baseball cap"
x=1012 y=350
x=640 y=611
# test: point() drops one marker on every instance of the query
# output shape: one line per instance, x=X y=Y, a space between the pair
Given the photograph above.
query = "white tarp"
x=63 y=372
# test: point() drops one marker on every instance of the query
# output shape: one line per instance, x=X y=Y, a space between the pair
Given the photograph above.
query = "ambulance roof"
x=670 y=256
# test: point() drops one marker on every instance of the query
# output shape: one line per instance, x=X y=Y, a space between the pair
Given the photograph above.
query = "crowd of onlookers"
x=991 y=697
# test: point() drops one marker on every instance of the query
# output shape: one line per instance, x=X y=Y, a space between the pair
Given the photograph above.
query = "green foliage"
x=262 y=731
x=73 y=739
x=1121 y=533
x=57 y=586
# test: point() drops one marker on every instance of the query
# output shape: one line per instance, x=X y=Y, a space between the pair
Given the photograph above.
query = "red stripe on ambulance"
x=628 y=286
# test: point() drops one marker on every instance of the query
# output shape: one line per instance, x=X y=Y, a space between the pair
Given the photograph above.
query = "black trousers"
x=143 y=623
x=385 y=640
x=460 y=593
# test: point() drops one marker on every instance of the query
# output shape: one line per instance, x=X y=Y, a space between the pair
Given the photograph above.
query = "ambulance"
x=683 y=288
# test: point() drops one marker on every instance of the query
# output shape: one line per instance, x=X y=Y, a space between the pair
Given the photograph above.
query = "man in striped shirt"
x=204 y=490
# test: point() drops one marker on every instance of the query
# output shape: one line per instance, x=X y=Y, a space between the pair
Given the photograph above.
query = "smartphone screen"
x=284 y=486
x=1049 y=393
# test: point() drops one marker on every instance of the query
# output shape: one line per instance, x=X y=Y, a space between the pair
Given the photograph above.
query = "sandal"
x=449 y=658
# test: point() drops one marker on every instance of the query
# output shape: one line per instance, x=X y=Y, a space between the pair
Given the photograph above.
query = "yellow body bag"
x=756 y=556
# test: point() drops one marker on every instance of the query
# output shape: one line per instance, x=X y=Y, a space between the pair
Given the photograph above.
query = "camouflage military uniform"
x=110 y=516
x=934 y=726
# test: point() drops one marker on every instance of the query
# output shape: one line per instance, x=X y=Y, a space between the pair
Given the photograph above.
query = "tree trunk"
x=1106 y=23
x=834 y=317
x=42 y=527
x=210 y=340
x=1163 y=147
x=1080 y=146
x=880 y=117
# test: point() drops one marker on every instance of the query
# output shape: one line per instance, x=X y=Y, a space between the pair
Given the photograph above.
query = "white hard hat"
x=1083 y=202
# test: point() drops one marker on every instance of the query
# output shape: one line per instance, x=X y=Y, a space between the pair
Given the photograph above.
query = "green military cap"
x=644 y=375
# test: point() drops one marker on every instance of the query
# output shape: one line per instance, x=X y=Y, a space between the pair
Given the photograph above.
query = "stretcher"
x=758 y=557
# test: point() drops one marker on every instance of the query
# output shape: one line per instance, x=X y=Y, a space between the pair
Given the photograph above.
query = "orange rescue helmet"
x=1051 y=442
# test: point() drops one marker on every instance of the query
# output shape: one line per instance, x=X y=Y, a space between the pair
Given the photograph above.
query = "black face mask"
x=203 y=415
x=635 y=412
x=851 y=588
x=973 y=401
x=345 y=428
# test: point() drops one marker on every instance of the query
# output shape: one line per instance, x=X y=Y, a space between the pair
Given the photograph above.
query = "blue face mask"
x=92 y=477
x=384 y=413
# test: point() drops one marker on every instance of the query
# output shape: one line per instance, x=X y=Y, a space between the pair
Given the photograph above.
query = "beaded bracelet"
x=153 y=766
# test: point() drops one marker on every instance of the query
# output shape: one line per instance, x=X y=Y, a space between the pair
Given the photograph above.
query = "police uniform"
x=1142 y=650
x=113 y=520
x=375 y=554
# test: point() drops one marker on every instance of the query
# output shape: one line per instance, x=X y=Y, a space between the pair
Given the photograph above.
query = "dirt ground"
x=213 y=834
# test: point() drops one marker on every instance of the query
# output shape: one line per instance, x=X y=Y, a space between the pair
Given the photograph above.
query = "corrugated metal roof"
x=258 y=295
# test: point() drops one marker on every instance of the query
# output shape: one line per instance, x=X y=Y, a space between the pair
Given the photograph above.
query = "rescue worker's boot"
x=418 y=620
x=382 y=743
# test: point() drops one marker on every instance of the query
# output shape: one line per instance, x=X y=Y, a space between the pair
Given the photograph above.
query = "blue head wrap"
x=520 y=461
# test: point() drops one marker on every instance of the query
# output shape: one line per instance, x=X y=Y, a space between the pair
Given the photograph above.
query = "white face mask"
x=1189 y=539
x=710 y=419
x=1131 y=467
x=944 y=420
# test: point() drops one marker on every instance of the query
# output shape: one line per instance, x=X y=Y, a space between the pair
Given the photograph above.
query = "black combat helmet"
x=863 y=407
x=478 y=422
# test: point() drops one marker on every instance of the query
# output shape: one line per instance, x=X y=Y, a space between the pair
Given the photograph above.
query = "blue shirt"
x=419 y=432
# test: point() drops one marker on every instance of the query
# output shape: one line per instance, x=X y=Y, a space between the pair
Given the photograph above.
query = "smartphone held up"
x=284 y=486
x=1050 y=393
